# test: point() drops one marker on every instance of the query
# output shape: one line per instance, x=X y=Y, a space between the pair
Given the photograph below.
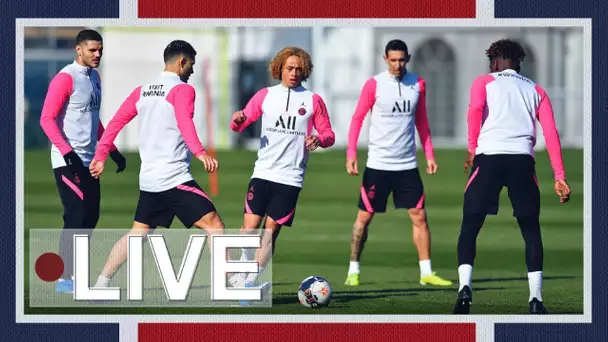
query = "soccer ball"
x=314 y=292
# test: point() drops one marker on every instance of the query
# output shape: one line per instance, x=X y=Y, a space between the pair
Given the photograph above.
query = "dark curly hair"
x=506 y=49
x=276 y=65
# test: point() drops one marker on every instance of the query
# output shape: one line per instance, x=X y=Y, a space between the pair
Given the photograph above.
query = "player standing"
x=167 y=137
x=503 y=110
x=70 y=119
x=289 y=111
x=397 y=100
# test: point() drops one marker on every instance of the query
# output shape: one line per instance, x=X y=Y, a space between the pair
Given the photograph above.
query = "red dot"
x=49 y=267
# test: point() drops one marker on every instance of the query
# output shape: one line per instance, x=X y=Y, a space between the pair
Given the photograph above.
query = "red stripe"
x=267 y=332
x=307 y=9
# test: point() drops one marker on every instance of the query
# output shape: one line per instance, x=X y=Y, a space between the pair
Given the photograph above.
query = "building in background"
x=233 y=63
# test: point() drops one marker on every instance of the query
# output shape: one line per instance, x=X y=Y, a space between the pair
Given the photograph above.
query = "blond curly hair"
x=276 y=64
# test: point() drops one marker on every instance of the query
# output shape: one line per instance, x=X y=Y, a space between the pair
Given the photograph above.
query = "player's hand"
x=431 y=167
x=562 y=189
x=468 y=163
x=312 y=142
x=96 y=168
x=351 y=167
x=119 y=159
x=211 y=164
x=239 y=117
x=74 y=163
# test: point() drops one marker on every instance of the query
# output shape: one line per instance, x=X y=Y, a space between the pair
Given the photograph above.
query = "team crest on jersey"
x=250 y=193
x=372 y=192
x=302 y=111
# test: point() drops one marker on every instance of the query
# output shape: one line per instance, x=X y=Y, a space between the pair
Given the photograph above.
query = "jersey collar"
x=296 y=89
x=393 y=78
x=170 y=74
x=82 y=69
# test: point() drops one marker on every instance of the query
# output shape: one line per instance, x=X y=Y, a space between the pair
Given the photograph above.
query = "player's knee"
x=271 y=224
x=74 y=217
x=418 y=217
x=363 y=219
x=140 y=229
x=211 y=220
x=91 y=220
x=251 y=223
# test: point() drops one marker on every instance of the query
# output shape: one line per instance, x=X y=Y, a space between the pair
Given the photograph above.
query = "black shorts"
x=187 y=201
x=406 y=187
x=80 y=197
x=488 y=176
x=276 y=200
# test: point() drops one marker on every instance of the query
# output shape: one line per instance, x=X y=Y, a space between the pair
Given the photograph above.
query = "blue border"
x=11 y=11
x=597 y=10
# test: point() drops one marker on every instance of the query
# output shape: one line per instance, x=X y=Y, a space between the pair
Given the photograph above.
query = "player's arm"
x=59 y=92
x=251 y=113
x=124 y=115
x=100 y=132
x=424 y=129
x=477 y=104
x=182 y=98
x=321 y=122
x=364 y=105
x=118 y=158
x=554 y=148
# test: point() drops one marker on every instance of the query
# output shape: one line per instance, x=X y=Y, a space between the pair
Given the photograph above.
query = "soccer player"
x=167 y=137
x=503 y=110
x=288 y=111
x=70 y=119
x=397 y=100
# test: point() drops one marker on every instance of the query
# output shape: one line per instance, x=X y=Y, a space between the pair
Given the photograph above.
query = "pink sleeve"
x=547 y=122
x=182 y=98
x=422 y=122
x=365 y=104
x=477 y=104
x=321 y=122
x=60 y=90
x=252 y=111
x=126 y=113
x=100 y=131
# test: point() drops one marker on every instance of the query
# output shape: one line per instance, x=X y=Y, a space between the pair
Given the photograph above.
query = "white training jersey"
x=70 y=115
x=398 y=108
x=167 y=135
x=503 y=110
x=288 y=117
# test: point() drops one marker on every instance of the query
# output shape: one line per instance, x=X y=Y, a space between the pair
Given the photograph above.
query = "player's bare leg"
x=264 y=253
x=212 y=224
x=251 y=223
x=357 y=243
x=118 y=254
x=421 y=236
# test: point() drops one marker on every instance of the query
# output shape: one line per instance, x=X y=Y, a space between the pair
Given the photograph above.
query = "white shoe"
x=237 y=280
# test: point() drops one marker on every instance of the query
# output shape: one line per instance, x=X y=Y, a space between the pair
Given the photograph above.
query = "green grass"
x=318 y=243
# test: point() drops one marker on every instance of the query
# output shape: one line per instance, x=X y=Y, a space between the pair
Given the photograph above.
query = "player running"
x=397 y=100
x=289 y=112
x=503 y=110
x=167 y=137
x=70 y=119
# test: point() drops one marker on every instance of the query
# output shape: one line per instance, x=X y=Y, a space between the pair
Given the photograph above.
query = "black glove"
x=119 y=159
x=74 y=163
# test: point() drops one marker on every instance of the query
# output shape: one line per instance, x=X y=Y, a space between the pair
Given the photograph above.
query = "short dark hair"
x=506 y=49
x=86 y=35
x=395 y=45
x=178 y=48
